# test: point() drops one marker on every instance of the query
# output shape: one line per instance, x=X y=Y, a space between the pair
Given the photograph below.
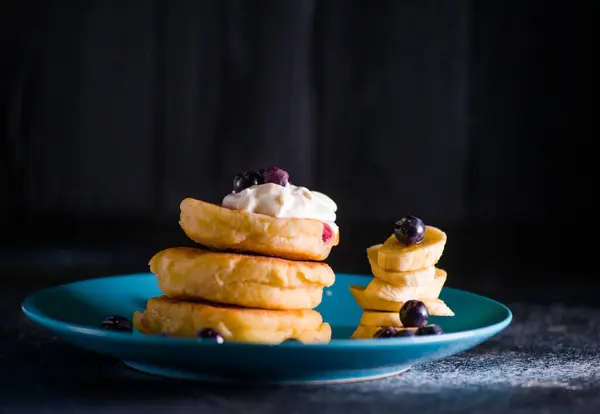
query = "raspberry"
x=327 y=233
x=275 y=175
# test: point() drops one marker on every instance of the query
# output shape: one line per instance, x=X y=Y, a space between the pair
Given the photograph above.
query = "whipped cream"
x=285 y=202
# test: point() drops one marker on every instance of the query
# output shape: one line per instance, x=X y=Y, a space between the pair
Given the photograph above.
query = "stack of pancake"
x=401 y=273
x=255 y=278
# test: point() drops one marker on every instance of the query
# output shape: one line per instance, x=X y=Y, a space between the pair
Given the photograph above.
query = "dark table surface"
x=546 y=361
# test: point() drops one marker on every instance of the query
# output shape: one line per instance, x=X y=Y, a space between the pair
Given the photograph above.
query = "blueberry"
x=414 y=314
x=210 y=333
x=430 y=330
x=404 y=332
x=276 y=175
x=117 y=323
x=410 y=230
x=245 y=180
x=387 y=332
x=291 y=340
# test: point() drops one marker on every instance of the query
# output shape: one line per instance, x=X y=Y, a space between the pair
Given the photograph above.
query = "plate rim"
x=29 y=308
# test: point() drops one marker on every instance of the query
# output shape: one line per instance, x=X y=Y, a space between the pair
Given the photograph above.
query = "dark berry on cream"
x=246 y=180
x=276 y=175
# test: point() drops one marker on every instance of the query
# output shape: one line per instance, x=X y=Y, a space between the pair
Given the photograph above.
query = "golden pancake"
x=409 y=278
x=400 y=257
x=199 y=266
x=179 y=279
x=436 y=307
x=252 y=295
x=185 y=319
x=224 y=229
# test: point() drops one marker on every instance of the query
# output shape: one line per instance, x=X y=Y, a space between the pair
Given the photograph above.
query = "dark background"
x=475 y=116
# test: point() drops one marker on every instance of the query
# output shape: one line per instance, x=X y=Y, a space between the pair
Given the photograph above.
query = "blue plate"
x=74 y=311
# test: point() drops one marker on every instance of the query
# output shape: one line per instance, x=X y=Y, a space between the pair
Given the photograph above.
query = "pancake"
x=382 y=290
x=220 y=228
x=408 y=278
x=185 y=319
x=400 y=257
x=202 y=266
x=436 y=307
x=185 y=273
x=252 y=295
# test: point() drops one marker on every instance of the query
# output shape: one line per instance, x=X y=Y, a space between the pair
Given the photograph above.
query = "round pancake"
x=198 y=266
x=177 y=278
x=251 y=295
x=224 y=229
x=185 y=319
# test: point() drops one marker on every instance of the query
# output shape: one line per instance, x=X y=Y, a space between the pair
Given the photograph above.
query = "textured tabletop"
x=547 y=361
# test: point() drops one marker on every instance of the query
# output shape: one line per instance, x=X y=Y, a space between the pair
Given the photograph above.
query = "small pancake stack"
x=402 y=272
x=255 y=278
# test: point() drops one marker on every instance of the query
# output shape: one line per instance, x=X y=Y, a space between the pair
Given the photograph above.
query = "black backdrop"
x=475 y=116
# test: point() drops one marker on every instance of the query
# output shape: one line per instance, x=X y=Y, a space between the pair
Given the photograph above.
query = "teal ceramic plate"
x=74 y=311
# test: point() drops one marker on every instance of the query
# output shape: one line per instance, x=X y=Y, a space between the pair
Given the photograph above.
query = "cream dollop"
x=286 y=202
